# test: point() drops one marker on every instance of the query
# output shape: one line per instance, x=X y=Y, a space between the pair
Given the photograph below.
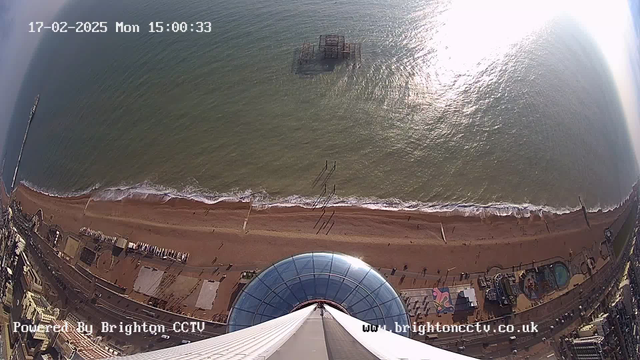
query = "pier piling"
x=333 y=169
x=331 y=217
x=315 y=203
x=320 y=228
x=584 y=212
x=320 y=218
x=326 y=202
x=330 y=227
x=326 y=166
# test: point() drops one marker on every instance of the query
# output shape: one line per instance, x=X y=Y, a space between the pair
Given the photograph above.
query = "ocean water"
x=449 y=106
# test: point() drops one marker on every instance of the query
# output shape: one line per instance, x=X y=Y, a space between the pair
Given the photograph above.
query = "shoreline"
x=229 y=237
x=381 y=238
x=260 y=200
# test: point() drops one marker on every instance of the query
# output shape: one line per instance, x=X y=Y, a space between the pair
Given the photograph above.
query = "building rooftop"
x=587 y=340
x=84 y=346
x=34 y=276
x=40 y=301
x=587 y=330
x=466 y=299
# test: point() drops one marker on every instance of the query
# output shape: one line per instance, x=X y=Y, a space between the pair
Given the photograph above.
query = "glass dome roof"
x=340 y=280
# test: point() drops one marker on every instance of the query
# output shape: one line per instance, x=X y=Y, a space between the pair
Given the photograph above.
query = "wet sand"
x=214 y=233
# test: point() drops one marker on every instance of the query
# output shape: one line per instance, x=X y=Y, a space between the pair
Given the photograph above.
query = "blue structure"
x=344 y=282
x=561 y=273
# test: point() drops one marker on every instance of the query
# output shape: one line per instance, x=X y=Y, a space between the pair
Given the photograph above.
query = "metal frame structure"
x=320 y=277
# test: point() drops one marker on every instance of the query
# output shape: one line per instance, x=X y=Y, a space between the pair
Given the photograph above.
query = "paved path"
x=110 y=307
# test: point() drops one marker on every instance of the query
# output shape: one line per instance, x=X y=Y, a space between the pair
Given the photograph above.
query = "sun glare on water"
x=474 y=35
x=481 y=32
x=611 y=26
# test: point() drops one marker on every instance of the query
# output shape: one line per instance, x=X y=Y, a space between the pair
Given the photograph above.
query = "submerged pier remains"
x=332 y=49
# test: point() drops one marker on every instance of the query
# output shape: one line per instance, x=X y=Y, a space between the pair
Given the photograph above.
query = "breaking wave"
x=261 y=199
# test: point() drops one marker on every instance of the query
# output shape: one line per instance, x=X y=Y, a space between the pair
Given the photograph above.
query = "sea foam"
x=261 y=199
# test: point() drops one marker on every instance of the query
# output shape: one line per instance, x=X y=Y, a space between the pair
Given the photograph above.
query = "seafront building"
x=587 y=348
x=36 y=311
x=30 y=280
x=72 y=344
x=614 y=333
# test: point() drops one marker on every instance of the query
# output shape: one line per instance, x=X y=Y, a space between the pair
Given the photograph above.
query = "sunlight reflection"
x=475 y=35
x=475 y=38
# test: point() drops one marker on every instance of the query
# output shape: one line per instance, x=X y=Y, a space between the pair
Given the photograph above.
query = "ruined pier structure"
x=330 y=47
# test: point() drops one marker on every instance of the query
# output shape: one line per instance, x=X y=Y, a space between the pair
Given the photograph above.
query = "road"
x=97 y=303
x=589 y=294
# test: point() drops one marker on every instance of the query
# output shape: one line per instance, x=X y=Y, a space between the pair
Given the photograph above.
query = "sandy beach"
x=214 y=233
